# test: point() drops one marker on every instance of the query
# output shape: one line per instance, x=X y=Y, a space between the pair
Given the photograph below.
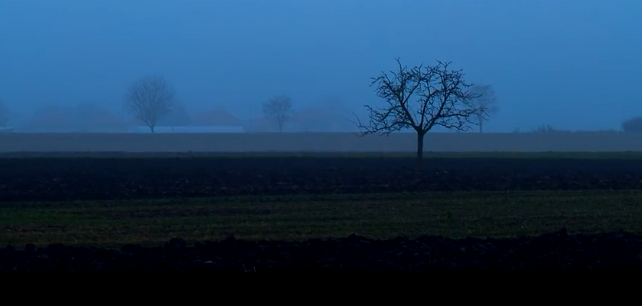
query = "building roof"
x=215 y=117
x=189 y=129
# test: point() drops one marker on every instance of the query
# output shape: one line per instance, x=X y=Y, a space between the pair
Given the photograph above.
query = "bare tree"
x=420 y=99
x=149 y=99
x=279 y=109
x=4 y=116
x=485 y=100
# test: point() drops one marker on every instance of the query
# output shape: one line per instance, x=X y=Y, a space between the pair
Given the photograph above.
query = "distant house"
x=214 y=121
x=188 y=129
x=216 y=117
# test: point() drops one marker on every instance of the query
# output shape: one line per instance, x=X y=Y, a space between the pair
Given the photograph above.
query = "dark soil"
x=551 y=252
x=41 y=179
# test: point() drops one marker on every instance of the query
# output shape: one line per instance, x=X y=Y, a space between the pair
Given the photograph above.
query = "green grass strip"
x=295 y=218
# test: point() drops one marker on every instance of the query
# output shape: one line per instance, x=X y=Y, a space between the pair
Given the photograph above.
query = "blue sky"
x=573 y=64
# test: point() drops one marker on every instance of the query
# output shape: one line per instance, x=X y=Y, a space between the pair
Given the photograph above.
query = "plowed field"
x=283 y=208
x=58 y=179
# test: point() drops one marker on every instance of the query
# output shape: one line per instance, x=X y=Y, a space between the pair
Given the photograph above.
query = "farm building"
x=189 y=129
x=215 y=117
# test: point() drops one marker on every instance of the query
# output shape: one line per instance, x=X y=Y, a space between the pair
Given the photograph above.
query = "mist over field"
x=66 y=65
x=320 y=142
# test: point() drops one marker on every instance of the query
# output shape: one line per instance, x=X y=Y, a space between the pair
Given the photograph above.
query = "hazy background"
x=573 y=64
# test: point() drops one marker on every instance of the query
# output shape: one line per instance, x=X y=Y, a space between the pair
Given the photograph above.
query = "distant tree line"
x=153 y=101
x=632 y=125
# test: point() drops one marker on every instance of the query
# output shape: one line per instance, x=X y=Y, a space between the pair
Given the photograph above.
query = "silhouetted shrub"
x=633 y=125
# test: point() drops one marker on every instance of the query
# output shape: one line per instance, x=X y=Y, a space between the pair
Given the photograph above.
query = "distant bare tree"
x=149 y=99
x=279 y=109
x=4 y=115
x=421 y=98
x=485 y=100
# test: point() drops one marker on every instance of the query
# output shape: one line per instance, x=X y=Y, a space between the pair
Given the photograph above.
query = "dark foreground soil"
x=42 y=179
x=550 y=252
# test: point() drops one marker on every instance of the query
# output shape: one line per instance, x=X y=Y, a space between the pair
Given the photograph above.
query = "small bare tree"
x=149 y=99
x=485 y=100
x=279 y=109
x=420 y=99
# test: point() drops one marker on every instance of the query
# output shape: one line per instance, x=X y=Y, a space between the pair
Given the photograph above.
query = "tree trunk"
x=481 y=123
x=420 y=147
x=151 y=127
